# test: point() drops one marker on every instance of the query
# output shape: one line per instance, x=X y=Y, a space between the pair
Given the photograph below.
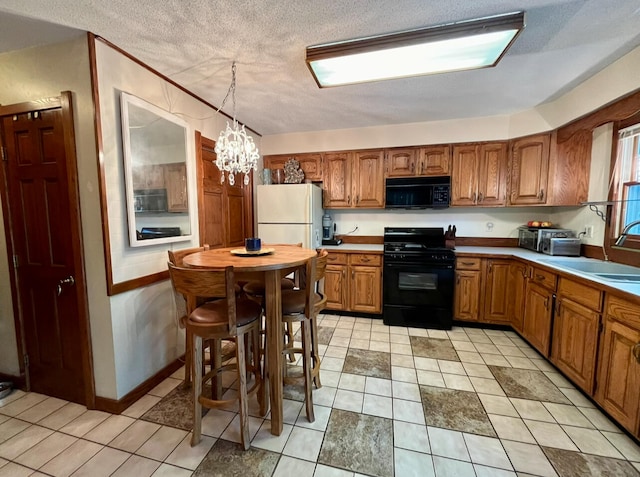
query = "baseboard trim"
x=19 y=382
x=116 y=406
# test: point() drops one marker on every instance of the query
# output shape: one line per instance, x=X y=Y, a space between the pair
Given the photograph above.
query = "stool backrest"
x=197 y=282
x=177 y=256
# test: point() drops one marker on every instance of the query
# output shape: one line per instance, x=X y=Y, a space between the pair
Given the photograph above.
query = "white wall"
x=143 y=322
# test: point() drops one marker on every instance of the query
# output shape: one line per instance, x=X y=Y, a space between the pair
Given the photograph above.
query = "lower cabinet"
x=619 y=363
x=466 y=305
x=538 y=312
x=353 y=282
x=576 y=327
x=518 y=284
x=496 y=291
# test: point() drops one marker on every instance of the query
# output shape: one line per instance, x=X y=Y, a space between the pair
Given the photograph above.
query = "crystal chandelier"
x=235 y=150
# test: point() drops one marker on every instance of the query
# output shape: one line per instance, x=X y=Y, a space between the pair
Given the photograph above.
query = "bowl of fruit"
x=539 y=224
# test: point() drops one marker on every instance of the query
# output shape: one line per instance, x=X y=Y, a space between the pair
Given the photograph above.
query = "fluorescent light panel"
x=458 y=46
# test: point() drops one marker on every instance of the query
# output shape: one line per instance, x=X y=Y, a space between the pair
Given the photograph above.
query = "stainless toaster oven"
x=532 y=238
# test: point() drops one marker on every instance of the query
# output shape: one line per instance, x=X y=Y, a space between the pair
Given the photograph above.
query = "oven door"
x=418 y=284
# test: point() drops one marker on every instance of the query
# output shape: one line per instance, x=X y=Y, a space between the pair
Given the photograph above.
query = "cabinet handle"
x=365 y=259
x=457 y=279
x=348 y=200
x=413 y=166
x=539 y=277
x=636 y=352
x=523 y=270
x=358 y=199
x=467 y=263
x=480 y=197
x=491 y=268
x=541 y=194
x=353 y=274
x=475 y=198
x=546 y=303
x=344 y=273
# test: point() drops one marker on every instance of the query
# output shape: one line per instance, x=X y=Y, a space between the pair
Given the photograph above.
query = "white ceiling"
x=194 y=42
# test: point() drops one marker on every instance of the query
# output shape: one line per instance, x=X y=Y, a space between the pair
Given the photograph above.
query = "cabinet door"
x=311 y=165
x=275 y=162
x=401 y=162
x=467 y=295
x=529 y=170
x=619 y=368
x=434 y=161
x=496 y=289
x=365 y=290
x=337 y=180
x=335 y=287
x=368 y=179
x=575 y=339
x=538 y=310
x=175 y=179
x=464 y=175
x=518 y=285
x=492 y=171
x=148 y=177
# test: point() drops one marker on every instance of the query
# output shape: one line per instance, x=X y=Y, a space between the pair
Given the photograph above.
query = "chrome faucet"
x=625 y=231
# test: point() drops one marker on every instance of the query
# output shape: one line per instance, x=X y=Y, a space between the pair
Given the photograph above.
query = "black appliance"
x=417 y=192
x=150 y=201
x=157 y=232
x=418 y=278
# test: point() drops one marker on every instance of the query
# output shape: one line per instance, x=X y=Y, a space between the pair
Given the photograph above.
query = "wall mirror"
x=159 y=150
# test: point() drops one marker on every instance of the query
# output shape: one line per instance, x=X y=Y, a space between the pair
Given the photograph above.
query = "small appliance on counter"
x=552 y=241
x=329 y=231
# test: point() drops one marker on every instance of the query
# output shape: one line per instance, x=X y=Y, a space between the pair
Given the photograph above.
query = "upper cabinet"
x=530 y=170
x=310 y=163
x=479 y=174
x=414 y=161
x=354 y=179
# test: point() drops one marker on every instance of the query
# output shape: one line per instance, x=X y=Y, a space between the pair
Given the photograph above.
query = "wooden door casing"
x=42 y=223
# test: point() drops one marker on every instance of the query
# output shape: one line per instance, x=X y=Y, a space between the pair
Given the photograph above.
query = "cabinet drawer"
x=467 y=263
x=583 y=294
x=365 y=259
x=624 y=311
x=337 y=258
x=544 y=278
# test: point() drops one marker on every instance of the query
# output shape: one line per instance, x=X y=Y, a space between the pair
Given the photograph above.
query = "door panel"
x=43 y=227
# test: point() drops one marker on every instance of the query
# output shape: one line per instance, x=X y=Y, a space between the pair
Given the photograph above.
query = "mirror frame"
x=127 y=99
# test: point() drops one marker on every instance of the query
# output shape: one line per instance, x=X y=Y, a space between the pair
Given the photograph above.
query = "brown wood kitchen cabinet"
x=310 y=163
x=619 y=363
x=575 y=331
x=175 y=179
x=148 y=177
x=479 y=174
x=518 y=286
x=414 y=161
x=466 y=305
x=496 y=291
x=354 y=179
x=353 y=282
x=530 y=170
x=538 y=309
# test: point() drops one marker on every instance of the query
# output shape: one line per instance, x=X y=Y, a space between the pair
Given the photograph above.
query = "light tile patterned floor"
x=384 y=379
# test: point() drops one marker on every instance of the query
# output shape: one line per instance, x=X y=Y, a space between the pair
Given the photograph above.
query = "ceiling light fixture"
x=235 y=150
x=464 y=45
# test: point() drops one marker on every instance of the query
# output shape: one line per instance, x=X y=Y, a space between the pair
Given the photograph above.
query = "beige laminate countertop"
x=554 y=263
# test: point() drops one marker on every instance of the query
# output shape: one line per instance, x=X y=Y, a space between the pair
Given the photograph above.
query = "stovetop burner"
x=425 y=243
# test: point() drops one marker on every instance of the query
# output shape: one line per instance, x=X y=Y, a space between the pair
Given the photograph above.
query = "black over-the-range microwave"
x=418 y=192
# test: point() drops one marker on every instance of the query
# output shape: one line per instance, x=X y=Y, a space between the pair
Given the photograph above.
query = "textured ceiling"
x=194 y=42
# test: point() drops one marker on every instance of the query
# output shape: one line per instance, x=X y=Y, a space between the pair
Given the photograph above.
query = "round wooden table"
x=272 y=266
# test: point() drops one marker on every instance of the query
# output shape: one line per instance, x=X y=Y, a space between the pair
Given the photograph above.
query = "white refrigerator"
x=290 y=213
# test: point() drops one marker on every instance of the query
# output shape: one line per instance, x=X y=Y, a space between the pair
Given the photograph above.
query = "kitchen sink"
x=605 y=270
x=619 y=277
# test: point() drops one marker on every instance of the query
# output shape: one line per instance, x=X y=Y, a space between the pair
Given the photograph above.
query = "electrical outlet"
x=588 y=231
x=489 y=226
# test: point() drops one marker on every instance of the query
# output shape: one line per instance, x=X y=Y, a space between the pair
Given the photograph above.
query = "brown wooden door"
x=335 y=287
x=401 y=162
x=575 y=341
x=368 y=179
x=337 y=180
x=236 y=206
x=492 y=171
x=467 y=295
x=618 y=367
x=43 y=218
x=496 y=289
x=518 y=285
x=464 y=175
x=365 y=290
x=530 y=170
x=435 y=161
x=537 y=317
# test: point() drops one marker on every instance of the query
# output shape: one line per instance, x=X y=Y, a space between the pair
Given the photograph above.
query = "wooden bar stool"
x=227 y=318
x=303 y=306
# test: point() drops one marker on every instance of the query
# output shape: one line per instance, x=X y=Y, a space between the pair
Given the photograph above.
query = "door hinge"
x=16 y=261
x=26 y=361
x=3 y=151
